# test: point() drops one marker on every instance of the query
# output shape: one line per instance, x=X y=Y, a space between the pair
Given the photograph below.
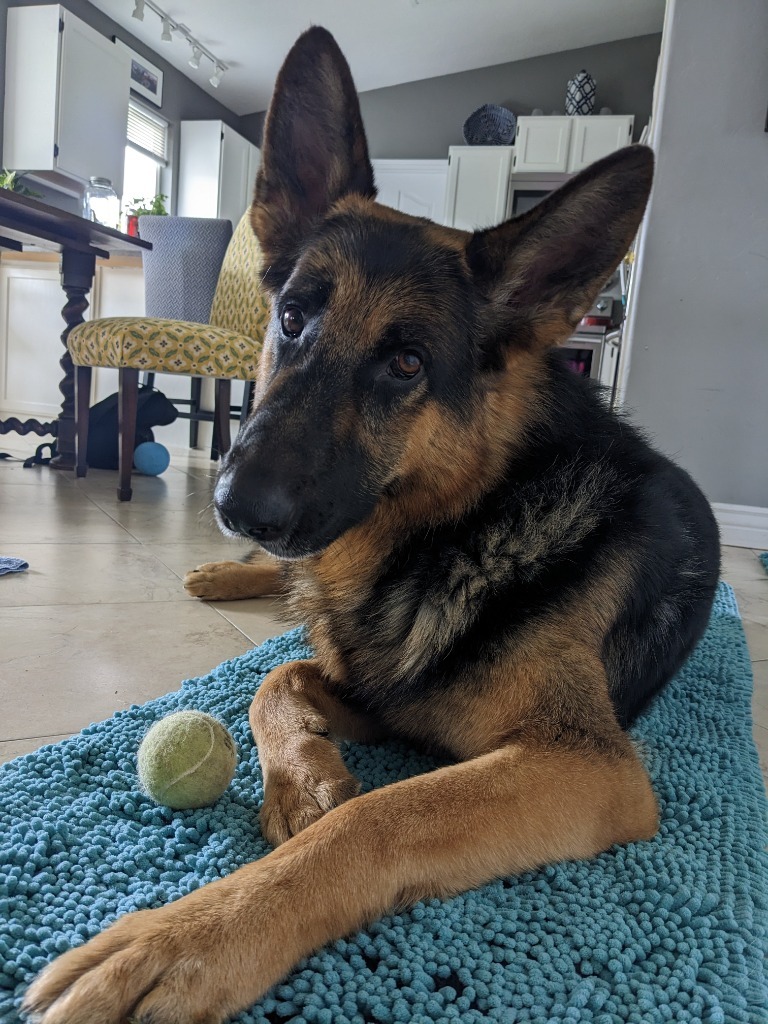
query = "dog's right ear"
x=314 y=151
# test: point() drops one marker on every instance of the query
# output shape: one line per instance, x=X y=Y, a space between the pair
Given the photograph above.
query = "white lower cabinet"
x=30 y=345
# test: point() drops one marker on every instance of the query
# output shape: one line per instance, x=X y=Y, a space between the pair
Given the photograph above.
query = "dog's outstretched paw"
x=220 y=581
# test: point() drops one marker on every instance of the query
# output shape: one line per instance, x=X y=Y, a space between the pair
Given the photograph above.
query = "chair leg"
x=82 y=410
x=245 y=408
x=128 y=393
x=194 y=409
x=221 y=435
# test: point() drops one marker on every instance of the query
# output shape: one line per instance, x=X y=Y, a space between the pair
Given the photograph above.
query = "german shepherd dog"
x=491 y=564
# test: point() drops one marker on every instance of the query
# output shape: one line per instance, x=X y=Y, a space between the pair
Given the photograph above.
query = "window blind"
x=147 y=132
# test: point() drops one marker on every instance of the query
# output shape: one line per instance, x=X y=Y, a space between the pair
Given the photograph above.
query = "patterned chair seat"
x=165 y=346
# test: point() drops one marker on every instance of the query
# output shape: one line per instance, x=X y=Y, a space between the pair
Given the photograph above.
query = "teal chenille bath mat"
x=669 y=930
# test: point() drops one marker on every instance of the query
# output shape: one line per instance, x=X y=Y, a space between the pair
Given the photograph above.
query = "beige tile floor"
x=100 y=621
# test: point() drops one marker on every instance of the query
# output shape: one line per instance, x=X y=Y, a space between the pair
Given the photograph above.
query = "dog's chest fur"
x=447 y=597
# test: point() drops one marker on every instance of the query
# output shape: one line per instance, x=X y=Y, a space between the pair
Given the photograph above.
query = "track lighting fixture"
x=170 y=27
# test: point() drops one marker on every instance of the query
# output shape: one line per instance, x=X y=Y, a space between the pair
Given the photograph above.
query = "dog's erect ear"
x=314 y=150
x=542 y=271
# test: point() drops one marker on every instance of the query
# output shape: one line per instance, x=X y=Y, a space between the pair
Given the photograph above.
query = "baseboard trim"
x=743 y=526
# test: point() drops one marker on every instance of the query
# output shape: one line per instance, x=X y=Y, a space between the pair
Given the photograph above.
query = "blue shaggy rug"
x=668 y=930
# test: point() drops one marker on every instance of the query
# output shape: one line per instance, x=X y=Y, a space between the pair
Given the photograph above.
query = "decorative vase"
x=580 y=94
x=133 y=225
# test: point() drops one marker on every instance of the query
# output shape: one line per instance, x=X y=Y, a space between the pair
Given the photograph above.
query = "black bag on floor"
x=153 y=410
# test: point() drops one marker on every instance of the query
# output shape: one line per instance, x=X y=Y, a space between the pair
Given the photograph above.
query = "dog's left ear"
x=542 y=271
x=314 y=150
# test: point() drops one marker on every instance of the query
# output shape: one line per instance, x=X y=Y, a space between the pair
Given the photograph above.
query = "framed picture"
x=146 y=78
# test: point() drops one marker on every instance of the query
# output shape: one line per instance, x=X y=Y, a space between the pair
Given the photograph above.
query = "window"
x=146 y=154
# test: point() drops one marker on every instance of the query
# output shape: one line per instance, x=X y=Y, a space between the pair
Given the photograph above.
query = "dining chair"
x=226 y=348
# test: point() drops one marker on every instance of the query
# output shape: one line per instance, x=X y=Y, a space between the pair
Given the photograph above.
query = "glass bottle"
x=101 y=204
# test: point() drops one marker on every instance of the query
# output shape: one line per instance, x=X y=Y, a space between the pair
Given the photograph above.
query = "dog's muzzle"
x=265 y=517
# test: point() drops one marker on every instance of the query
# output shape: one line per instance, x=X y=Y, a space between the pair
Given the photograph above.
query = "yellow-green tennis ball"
x=187 y=760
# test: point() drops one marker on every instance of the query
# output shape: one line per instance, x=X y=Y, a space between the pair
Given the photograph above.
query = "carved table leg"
x=77 y=270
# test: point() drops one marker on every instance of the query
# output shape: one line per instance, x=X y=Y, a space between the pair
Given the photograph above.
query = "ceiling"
x=387 y=42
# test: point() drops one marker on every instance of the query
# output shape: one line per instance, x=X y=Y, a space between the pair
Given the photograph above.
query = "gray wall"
x=698 y=377
x=182 y=99
x=420 y=120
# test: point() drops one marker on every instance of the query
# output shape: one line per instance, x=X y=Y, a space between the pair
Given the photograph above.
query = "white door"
x=94 y=85
x=541 y=143
x=478 y=180
x=416 y=187
x=595 y=137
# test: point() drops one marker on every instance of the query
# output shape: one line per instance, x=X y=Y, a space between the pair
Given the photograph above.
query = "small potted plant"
x=12 y=180
x=141 y=208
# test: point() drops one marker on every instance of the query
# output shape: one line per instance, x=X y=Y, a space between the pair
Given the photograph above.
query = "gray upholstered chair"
x=180 y=275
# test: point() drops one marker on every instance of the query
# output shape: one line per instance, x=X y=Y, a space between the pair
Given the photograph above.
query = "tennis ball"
x=186 y=760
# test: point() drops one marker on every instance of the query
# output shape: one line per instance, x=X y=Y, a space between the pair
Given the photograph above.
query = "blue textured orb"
x=151 y=458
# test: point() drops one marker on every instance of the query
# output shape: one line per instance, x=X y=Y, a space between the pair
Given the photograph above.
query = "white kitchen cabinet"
x=217 y=169
x=66 y=98
x=542 y=144
x=551 y=144
x=596 y=137
x=30 y=346
x=488 y=184
x=478 y=186
x=416 y=187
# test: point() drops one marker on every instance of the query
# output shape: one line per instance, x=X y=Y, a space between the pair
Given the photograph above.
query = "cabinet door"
x=30 y=345
x=94 y=85
x=254 y=162
x=541 y=143
x=595 y=137
x=478 y=179
x=234 y=194
x=416 y=187
x=199 y=163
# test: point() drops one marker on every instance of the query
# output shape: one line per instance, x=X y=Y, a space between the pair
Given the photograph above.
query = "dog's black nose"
x=264 y=517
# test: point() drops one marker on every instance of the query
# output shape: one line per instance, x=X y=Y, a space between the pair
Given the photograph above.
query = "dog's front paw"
x=219 y=581
x=296 y=797
x=164 y=966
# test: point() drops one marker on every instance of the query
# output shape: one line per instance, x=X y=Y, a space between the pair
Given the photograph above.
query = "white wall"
x=698 y=377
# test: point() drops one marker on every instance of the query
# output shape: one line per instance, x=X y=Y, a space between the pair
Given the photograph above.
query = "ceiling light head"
x=217 y=76
x=194 y=60
x=138 y=10
x=167 y=26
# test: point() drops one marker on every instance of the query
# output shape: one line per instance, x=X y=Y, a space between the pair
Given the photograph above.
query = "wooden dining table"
x=27 y=223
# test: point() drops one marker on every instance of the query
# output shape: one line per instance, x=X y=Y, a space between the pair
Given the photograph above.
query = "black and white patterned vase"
x=580 y=94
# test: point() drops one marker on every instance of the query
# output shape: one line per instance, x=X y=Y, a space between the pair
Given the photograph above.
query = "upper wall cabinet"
x=542 y=143
x=478 y=184
x=217 y=170
x=595 y=137
x=66 y=98
x=568 y=144
x=416 y=187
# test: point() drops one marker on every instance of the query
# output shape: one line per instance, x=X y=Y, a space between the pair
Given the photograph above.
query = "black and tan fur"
x=491 y=565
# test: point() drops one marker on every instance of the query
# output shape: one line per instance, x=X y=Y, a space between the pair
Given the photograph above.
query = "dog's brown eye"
x=292 y=321
x=406 y=364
